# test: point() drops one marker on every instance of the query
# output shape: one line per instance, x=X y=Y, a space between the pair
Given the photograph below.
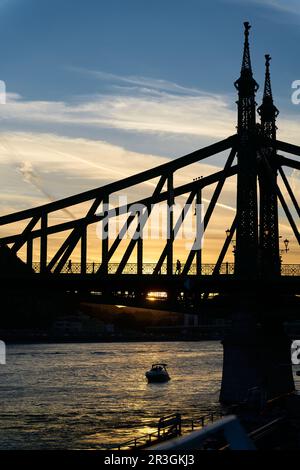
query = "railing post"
x=43 y=245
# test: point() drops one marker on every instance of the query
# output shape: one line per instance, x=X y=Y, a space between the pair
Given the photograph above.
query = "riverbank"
x=117 y=338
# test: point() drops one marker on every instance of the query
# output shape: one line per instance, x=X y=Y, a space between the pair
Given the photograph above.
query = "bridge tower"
x=256 y=351
x=246 y=257
x=268 y=229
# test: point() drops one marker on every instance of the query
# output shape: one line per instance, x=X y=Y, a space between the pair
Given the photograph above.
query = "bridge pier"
x=255 y=355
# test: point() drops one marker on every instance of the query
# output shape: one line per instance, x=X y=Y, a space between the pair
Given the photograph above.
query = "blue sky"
x=194 y=43
x=69 y=51
x=100 y=89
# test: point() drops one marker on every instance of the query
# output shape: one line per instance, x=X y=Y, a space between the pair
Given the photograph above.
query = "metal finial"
x=246 y=63
x=267 y=88
x=268 y=111
x=268 y=60
x=247 y=28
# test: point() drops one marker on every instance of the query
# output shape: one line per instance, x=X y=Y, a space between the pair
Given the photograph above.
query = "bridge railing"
x=132 y=268
x=290 y=269
x=207 y=269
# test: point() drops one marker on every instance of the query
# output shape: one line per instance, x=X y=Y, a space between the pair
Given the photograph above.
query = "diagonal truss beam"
x=141 y=224
x=281 y=198
x=64 y=252
x=225 y=247
x=178 y=191
x=165 y=168
x=212 y=205
x=223 y=252
x=288 y=214
x=142 y=219
x=24 y=236
x=127 y=224
x=176 y=229
x=284 y=161
x=286 y=147
x=219 y=188
x=289 y=190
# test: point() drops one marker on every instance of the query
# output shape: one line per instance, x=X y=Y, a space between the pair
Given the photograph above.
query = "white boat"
x=158 y=373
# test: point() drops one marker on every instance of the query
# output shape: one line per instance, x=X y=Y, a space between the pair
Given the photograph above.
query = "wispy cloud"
x=31 y=176
x=289 y=6
x=166 y=112
x=143 y=83
x=204 y=116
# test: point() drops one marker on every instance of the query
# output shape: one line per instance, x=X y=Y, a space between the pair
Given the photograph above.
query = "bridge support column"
x=255 y=356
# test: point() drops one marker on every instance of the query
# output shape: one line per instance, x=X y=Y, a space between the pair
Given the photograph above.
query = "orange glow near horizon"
x=215 y=235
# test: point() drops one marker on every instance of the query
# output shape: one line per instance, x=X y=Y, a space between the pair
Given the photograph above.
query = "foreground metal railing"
x=205 y=420
x=168 y=428
x=210 y=431
x=228 y=427
x=148 y=268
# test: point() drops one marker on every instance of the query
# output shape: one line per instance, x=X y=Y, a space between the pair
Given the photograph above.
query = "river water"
x=92 y=395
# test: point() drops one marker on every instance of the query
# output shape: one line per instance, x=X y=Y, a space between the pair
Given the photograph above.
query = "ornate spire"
x=246 y=257
x=268 y=111
x=269 y=233
x=246 y=77
x=267 y=88
x=247 y=87
x=246 y=64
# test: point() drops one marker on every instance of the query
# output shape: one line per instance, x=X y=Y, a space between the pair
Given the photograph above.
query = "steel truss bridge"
x=260 y=290
x=254 y=155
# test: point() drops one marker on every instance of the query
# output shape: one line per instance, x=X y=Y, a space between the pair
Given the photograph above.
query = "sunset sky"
x=98 y=90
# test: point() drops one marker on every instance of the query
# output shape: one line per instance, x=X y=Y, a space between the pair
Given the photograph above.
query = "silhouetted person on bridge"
x=69 y=268
x=178 y=267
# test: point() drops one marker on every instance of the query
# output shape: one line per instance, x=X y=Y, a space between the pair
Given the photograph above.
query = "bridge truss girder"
x=55 y=263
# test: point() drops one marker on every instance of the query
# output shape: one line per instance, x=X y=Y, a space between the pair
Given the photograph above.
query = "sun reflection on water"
x=89 y=396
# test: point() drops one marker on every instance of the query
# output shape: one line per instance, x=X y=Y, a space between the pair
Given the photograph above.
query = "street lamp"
x=233 y=242
x=283 y=250
x=286 y=244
